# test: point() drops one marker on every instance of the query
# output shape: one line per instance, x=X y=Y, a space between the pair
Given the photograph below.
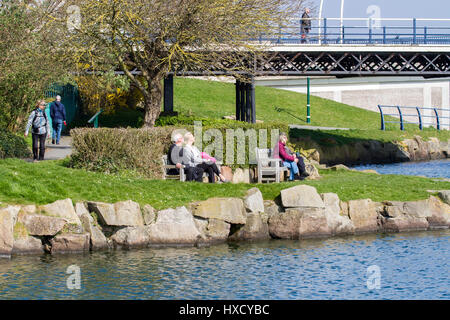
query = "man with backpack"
x=40 y=129
x=58 y=115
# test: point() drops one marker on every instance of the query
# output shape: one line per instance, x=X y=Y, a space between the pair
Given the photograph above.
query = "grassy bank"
x=40 y=183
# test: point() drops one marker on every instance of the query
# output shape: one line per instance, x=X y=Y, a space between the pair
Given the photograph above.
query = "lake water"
x=411 y=266
x=432 y=169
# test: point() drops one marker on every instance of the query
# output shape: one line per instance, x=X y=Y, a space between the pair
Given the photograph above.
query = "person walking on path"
x=58 y=115
x=305 y=25
x=40 y=130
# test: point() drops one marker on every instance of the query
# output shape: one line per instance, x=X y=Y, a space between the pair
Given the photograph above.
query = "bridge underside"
x=342 y=64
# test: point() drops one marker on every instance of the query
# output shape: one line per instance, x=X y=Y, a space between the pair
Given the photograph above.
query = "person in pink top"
x=289 y=159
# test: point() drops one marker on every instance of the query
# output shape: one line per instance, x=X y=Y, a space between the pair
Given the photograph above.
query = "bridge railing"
x=413 y=115
x=399 y=31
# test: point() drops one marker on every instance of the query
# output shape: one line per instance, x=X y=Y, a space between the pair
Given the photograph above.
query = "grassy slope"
x=45 y=182
x=215 y=99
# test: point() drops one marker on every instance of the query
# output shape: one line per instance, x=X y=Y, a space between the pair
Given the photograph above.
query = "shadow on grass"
x=282 y=110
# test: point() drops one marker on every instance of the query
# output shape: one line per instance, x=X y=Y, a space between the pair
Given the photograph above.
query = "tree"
x=27 y=65
x=146 y=39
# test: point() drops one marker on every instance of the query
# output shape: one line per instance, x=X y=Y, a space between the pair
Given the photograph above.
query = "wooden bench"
x=179 y=176
x=166 y=167
x=269 y=169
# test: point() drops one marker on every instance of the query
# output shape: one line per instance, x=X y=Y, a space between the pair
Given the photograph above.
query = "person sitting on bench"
x=290 y=159
x=175 y=158
x=194 y=159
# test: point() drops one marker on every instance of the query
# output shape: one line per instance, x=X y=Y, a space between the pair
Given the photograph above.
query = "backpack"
x=35 y=129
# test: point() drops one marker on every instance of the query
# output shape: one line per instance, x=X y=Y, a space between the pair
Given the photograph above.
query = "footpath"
x=61 y=151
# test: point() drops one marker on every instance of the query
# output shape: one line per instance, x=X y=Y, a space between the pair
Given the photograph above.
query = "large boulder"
x=364 y=215
x=440 y=214
x=131 y=237
x=39 y=225
x=301 y=196
x=445 y=196
x=120 y=214
x=253 y=200
x=80 y=209
x=230 y=210
x=67 y=242
x=149 y=214
x=241 y=176
x=28 y=245
x=299 y=223
x=8 y=218
x=212 y=230
x=406 y=216
x=338 y=224
x=174 y=226
x=62 y=209
x=270 y=209
x=254 y=229
x=98 y=240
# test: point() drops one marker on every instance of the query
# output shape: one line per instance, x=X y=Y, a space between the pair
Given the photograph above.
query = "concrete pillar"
x=446 y=105
x=427 y=103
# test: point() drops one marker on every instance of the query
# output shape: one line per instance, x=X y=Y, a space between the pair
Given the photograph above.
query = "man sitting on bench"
x=175 y=158
x=291 y=160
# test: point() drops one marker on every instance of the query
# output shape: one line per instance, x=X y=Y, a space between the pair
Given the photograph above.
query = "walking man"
x=305 y=25
x=40 y=129
x=58 y=115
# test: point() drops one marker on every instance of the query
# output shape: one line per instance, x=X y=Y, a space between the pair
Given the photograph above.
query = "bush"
x=140 y=150
x=13 y=146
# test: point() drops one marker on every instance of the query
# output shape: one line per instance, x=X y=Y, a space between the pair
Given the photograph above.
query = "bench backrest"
x=263 y=154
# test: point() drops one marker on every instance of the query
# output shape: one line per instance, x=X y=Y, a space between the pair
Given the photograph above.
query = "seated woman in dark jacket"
x=290 y=159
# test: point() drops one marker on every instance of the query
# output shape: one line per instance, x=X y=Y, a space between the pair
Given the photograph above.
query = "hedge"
x=113 y=150
x=13 y=146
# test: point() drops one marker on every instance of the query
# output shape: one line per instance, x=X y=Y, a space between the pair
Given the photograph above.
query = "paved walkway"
x=295 y=126
x=61 y=151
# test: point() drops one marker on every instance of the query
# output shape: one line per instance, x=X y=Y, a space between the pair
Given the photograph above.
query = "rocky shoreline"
x=377 y=152
x=300 y=213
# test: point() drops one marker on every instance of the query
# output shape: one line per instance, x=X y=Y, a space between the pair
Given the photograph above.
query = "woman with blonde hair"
x=193 y=157
x=40 y=129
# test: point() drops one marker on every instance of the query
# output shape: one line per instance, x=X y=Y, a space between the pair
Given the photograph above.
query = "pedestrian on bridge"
x=305 y=25
x=58 y=115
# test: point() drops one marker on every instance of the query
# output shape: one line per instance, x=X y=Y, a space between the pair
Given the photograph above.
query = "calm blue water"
x=432 y=169
x=412 y=266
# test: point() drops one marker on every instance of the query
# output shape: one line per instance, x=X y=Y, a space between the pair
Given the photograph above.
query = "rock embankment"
x=301 y=213
x=373 y=151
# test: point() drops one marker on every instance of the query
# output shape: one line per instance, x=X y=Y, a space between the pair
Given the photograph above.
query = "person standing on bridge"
x=58 y=115
x=305 y=25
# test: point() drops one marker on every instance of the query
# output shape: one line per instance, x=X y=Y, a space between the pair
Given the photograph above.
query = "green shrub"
x=139 y=150
x=13 y=146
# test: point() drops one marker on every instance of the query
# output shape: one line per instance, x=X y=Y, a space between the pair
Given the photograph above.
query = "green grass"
x=45 y=182
x=216 y=99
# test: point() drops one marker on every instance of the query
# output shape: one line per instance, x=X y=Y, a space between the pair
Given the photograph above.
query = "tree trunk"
x=152 y=101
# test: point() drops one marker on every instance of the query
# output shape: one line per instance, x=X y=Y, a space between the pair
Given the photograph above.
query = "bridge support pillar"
x=245 y=101
x=168 y=95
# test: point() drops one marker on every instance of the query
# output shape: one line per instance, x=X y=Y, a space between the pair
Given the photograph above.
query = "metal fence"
x=413 y=115
x=401 y=31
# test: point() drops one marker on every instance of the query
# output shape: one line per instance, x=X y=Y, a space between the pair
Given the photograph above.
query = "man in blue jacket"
x=58 y=115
